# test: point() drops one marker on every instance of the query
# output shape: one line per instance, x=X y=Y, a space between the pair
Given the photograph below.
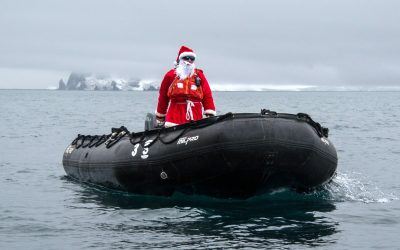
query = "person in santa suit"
x=185 y=94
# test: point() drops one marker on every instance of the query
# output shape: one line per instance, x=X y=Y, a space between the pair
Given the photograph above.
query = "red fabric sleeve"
x=163 y=99
x=208 y=100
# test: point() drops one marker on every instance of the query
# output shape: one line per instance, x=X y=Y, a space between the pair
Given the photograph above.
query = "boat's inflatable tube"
x=228 y=156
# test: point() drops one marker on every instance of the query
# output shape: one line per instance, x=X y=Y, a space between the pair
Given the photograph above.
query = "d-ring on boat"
x=236 y=155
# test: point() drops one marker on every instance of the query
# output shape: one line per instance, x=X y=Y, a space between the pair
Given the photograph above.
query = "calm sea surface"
x=40 y=208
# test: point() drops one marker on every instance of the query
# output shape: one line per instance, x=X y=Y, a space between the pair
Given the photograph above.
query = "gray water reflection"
x=270 y=220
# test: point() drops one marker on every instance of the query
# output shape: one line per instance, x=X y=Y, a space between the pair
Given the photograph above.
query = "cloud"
x=316 y=42
x=18 y=78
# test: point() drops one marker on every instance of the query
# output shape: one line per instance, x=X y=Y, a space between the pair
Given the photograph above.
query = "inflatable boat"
x=236 y=155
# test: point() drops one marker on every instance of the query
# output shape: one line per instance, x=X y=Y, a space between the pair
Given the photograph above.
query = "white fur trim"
x=159 y=114
x=169 y=124
x=183 y=54
x=210 y=111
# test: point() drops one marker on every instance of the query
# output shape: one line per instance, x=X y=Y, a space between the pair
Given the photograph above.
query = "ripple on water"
x=266 y=219
x=345 y=187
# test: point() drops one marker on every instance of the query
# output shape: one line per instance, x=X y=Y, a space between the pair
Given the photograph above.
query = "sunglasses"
x=188 y=58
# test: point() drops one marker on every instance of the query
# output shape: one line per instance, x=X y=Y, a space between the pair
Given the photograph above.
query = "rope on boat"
x=321 y=131
x=118 y=133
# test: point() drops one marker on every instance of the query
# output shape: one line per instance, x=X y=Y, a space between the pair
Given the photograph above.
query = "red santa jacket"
x=167 y=105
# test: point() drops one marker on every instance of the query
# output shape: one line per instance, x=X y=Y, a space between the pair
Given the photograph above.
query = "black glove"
x=160 y=120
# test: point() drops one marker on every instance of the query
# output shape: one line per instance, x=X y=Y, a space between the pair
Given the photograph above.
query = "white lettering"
x=147 y=143
x=325 y=141
x=69 y=149
x=186 y=140
x=146 y=149
x=135 y=148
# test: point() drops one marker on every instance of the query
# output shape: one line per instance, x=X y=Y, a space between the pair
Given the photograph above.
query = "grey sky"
x=313 y=42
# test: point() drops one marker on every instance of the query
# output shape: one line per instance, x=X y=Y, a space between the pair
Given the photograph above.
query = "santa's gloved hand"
x=209 y=115
x=160 y=120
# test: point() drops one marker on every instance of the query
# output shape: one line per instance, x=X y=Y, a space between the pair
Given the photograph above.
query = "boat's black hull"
x=238 y=156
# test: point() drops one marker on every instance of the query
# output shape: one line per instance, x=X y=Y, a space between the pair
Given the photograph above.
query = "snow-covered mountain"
x=78 y=81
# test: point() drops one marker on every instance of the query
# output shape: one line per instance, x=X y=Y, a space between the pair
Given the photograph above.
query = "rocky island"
x=80 y=81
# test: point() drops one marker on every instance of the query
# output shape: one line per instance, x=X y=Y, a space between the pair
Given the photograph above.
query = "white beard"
x=184 y=69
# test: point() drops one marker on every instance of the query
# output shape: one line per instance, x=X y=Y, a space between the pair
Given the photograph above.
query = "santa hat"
x=185 y=51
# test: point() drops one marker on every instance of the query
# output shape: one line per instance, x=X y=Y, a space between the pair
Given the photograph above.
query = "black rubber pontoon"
x=228 y=156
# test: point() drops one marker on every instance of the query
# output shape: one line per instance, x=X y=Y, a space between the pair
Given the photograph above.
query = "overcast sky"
x=304 y=42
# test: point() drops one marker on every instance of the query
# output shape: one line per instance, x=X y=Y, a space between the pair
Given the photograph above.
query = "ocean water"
x=41 y=208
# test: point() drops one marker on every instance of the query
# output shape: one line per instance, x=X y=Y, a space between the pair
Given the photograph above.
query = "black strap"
x=321 y=131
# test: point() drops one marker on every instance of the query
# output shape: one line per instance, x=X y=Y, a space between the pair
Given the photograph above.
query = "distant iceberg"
x=78 y=81
x=298 y=87
x=260 y=87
